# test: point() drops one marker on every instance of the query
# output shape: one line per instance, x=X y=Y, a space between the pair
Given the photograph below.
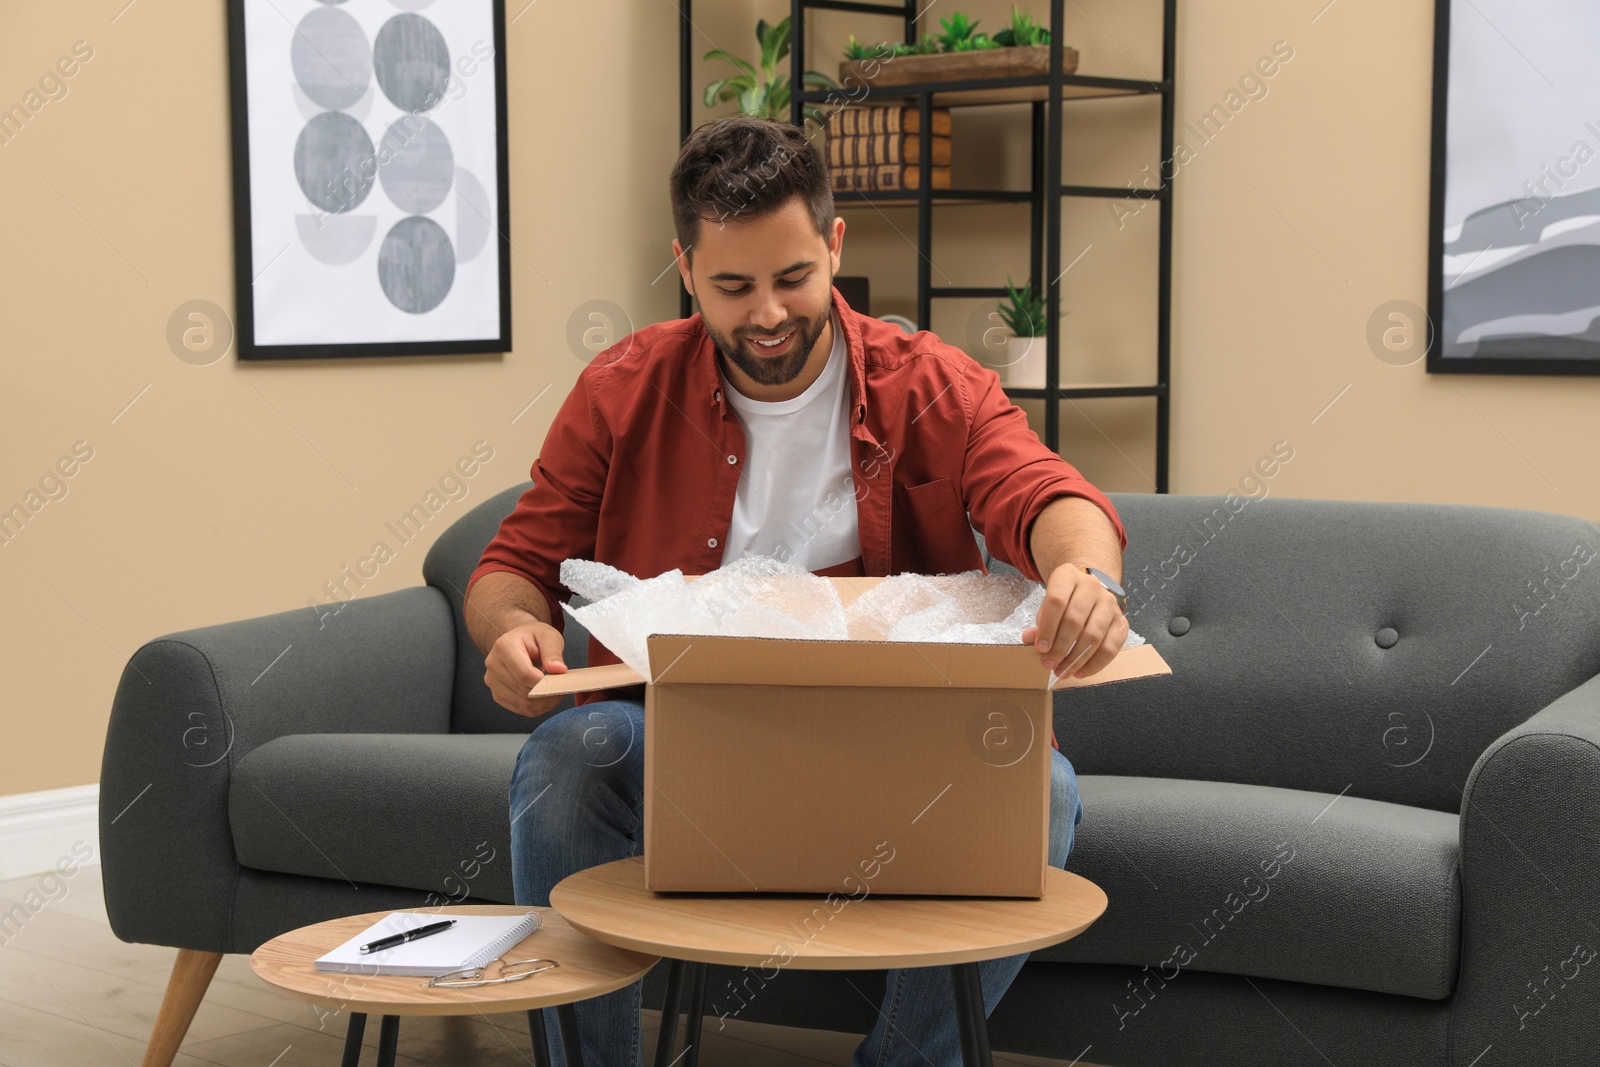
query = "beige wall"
x=234 y=490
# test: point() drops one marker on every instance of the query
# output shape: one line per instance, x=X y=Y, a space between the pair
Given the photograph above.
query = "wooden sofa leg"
x=191 y=976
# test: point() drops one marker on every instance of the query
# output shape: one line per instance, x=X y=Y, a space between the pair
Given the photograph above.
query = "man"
x=775 y=421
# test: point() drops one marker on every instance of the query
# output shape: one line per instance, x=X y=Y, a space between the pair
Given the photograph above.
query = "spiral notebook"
x=472 y=942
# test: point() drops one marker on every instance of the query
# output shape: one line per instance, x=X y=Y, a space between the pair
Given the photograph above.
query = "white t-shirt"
x=796 y=500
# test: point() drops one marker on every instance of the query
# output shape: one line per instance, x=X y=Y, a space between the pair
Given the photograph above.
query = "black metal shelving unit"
x=1044 y=194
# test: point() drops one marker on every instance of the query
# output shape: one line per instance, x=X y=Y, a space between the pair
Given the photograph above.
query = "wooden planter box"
x=955 y=66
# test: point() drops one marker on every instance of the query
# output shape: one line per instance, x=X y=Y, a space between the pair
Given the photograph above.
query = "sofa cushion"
x=1268 y=882
x=419 y=811
x=1250 y=880
x=1320 y=644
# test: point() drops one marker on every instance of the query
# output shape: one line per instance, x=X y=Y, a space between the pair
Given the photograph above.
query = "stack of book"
x=880 y=148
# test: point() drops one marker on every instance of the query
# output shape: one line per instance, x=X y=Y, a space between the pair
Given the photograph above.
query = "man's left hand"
x=1080 y=628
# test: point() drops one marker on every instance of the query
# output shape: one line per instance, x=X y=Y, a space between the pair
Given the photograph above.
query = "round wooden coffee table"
x=611 y=904
x=588 y=968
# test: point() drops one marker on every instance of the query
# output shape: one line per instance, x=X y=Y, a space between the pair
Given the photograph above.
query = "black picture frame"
x=1541 y=358
x=245 y=253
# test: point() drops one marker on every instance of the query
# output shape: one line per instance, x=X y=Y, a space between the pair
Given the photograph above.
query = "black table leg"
x=541 y=1040
x=970 y=1019
x=697 y=1012
x=353 y=1033
x=388 y=1040
x=567 y=1020
x=670 y=1007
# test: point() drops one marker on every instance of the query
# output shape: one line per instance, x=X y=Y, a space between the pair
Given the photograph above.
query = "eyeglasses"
x=510 y=971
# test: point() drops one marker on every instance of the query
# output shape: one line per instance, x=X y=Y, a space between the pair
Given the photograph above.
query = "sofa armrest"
x=1530 y=835
x=191 y=705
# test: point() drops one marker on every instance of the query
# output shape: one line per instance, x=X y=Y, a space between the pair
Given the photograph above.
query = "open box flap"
x=1141 y=661
x=586 y=680
x=687 y=659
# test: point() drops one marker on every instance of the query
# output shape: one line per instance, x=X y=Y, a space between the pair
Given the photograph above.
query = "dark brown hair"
x=741 y=167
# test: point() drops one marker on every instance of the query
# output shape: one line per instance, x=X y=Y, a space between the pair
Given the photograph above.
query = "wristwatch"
x=1110 y=583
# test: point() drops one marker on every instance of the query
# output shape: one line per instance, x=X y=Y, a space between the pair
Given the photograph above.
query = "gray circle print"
x=416 y=264
x=333 y=162
x=330 y=57
x=412 y=62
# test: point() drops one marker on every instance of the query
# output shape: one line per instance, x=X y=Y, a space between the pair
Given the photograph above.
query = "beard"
x=763 y=369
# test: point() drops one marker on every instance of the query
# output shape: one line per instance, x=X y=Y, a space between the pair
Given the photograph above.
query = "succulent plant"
x=1024 y=315
x=925 y=46
x=958 y=32
x=857 y=50
x=1023 y=31
x=960 y=35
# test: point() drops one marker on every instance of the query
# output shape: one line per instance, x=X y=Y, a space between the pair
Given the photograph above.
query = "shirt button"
x=733 y=459
x=718 y=395
x=711 y=542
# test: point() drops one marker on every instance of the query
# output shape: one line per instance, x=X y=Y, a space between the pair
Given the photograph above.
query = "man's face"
x=764 y=279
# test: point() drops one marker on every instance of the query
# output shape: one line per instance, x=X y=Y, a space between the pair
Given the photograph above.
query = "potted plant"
x=1023 y=312
x=959 y=34
x=861 y=51
x=759 y=89
x=1023 y=32
x=960 y=52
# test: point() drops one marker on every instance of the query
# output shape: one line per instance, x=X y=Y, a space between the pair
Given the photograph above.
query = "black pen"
x=409 y=935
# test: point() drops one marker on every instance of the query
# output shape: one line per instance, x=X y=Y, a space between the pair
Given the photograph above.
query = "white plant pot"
x=1024 y=362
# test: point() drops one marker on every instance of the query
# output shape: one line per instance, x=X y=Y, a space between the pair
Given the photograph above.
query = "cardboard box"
x=846 y=767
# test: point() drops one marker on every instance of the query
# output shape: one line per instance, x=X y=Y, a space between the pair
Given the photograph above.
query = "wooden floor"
x=71 y=994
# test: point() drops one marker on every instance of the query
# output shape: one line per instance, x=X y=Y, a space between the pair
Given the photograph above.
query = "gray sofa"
x=1357 y=825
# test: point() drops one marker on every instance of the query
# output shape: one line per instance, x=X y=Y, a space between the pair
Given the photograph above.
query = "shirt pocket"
x=930 y=532
x=929 y=499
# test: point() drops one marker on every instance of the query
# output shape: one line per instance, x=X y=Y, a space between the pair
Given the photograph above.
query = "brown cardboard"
x=846 y=767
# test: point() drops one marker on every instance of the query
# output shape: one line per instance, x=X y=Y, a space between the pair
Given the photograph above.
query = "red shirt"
x=640 y=464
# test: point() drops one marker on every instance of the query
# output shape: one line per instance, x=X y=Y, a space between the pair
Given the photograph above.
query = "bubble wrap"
x=763 y=597
x=759 y=590
x=969 y=608
x=984 y=597
x=594 y=581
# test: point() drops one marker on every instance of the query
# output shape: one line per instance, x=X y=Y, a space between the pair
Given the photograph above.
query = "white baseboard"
x=39 y=830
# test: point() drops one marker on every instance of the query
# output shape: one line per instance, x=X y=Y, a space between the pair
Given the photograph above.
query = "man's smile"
x=775 y=344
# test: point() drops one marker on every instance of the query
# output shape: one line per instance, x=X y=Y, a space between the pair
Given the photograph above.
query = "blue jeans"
x=577 y=796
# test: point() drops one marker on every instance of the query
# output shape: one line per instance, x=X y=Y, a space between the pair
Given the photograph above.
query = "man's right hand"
x=517 y=660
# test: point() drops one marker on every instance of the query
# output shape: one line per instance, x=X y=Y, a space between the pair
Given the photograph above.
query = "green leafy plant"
x=1024 y=314
x=857 y=50
x=759 y=89
x=1023 y=31
x=960 y=35
x=925 y=46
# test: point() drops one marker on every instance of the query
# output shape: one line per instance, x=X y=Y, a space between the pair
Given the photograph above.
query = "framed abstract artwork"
x=1514 y=256
x=370 y=183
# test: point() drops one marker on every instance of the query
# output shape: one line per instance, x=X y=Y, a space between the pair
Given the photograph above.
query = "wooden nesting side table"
x=611 y=904
x=588 y=968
